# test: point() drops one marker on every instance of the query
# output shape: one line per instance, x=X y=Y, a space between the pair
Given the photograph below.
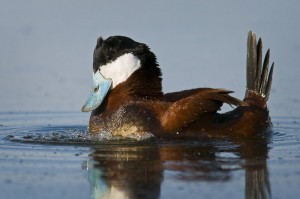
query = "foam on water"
x=55 y=128
x=66 y=136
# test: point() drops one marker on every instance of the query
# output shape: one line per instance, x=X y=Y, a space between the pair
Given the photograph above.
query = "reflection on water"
x=126 y=171
x=41 y=156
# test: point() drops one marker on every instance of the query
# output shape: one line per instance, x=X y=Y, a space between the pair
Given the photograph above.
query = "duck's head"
x=116 y=60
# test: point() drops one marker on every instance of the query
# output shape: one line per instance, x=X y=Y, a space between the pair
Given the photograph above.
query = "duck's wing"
x=175 y=96
x=187 y=106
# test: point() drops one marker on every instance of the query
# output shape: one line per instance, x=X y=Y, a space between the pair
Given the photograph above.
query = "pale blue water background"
x=46 y=47
x=46 y=71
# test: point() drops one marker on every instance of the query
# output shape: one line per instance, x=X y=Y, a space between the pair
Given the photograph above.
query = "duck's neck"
x=144 y=84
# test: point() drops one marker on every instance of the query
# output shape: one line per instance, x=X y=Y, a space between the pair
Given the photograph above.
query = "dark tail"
x=259 y=78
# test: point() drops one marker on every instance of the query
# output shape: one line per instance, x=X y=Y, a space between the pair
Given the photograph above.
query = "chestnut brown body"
x=138 y=105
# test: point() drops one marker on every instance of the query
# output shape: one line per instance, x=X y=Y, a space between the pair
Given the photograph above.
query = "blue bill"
x=100 y=88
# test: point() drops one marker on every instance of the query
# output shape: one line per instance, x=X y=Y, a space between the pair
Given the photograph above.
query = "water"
x=45 y=55
x=46 y=64
x=49 y=155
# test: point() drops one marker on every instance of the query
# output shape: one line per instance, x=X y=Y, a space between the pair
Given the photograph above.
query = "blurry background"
x=46 y=47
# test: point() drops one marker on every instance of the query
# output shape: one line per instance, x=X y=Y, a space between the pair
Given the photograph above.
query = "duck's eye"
x=96 y=89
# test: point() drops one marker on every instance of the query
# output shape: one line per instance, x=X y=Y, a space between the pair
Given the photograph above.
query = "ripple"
x=65 y=135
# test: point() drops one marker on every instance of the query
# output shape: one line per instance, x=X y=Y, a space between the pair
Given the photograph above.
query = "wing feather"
x=188 y=105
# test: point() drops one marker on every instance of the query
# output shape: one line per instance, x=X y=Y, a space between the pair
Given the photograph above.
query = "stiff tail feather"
x=259 y=77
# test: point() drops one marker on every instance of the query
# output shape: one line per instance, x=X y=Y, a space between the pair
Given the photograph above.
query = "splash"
x=65 y=135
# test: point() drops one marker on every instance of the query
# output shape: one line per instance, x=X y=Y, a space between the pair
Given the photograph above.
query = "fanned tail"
x=259 y=78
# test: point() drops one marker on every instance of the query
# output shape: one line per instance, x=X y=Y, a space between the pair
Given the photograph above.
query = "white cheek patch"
x=120 y=69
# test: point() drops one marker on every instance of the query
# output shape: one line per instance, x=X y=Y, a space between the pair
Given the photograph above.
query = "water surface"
x=49 y=155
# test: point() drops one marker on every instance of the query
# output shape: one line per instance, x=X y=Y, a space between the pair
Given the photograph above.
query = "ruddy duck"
x=127 y=98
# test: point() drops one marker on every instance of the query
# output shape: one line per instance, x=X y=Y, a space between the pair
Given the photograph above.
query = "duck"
x=128 y=102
